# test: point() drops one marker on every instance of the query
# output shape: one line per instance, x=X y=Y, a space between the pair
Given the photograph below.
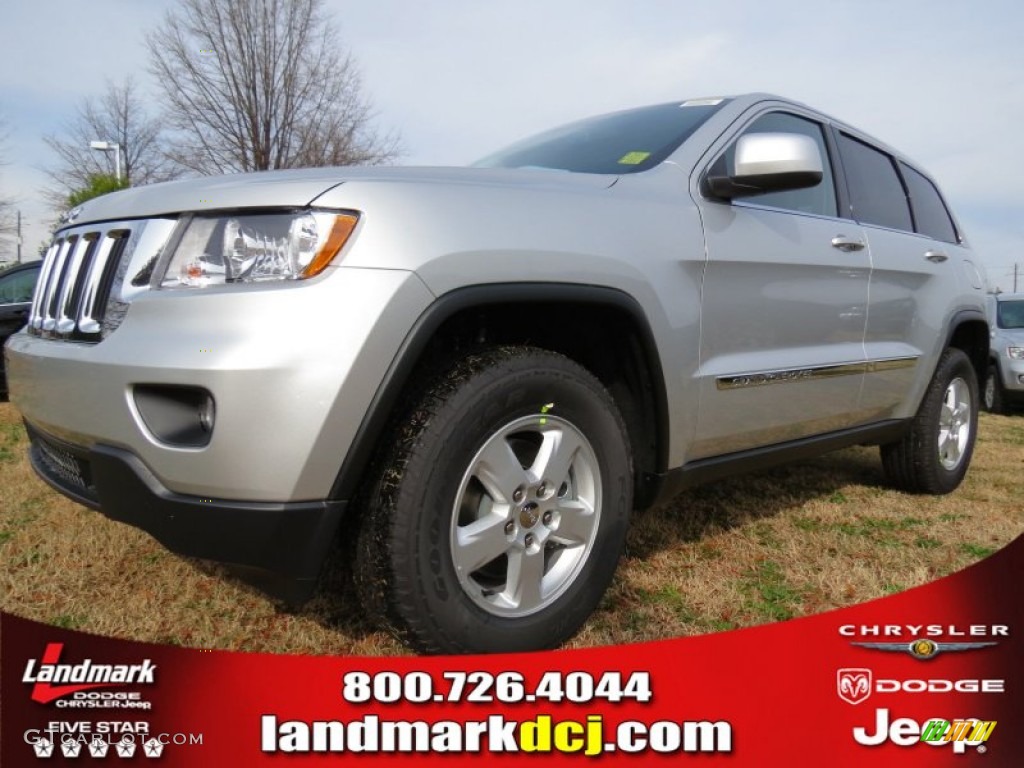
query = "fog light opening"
x=176 y=415
x=207 y=413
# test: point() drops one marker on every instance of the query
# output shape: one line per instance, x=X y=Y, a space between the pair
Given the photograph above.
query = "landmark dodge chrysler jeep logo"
x=79 y=677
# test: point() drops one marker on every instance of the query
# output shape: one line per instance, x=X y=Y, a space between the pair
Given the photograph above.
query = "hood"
x=301 y=187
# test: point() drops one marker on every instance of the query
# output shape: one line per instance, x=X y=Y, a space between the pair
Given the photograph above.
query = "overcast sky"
x=943 y=81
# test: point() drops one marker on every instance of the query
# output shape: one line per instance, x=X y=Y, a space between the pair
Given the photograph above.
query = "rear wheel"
x=933 y=457
x=497 y=518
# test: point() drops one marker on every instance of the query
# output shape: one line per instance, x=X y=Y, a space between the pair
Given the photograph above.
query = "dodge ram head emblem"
x=853 y=685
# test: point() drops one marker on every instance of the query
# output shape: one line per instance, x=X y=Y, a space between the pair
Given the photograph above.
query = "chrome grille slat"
x=66 y=321
x=54 y=285
x=36 y=318
x=88 y=322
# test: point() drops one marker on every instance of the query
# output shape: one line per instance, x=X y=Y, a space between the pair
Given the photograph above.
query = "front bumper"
x=291 y=369
x=1012 y=372
x=279 y=547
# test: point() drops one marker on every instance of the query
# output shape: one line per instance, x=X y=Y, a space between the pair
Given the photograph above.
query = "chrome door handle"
x=936 y=257
x=847 y=244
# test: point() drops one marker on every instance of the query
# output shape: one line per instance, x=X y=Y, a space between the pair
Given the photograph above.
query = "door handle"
x=847 y=244
x=936 y=257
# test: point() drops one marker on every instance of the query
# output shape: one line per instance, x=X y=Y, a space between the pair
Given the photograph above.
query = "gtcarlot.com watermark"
x=102 y=739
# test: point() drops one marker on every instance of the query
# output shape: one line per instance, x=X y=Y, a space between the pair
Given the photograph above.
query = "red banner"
x=930 y=677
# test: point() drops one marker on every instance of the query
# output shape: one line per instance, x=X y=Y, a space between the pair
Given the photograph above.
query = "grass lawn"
x=766 y=547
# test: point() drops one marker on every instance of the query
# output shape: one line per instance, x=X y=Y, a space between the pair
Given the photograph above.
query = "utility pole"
x=1014 y=277
x=19 y=236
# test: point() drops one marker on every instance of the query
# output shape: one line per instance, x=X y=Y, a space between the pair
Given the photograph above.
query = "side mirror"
x=769 y=162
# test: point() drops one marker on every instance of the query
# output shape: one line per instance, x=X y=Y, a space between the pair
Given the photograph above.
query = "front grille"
x=74 y=285
x=67 y=470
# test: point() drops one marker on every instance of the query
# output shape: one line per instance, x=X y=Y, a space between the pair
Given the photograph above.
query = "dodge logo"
x=853 y=685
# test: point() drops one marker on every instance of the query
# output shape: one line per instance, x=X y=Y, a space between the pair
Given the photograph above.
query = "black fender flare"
x=376 y=418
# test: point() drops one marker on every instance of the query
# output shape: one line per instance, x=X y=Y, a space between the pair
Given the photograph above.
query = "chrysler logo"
x=923 y=648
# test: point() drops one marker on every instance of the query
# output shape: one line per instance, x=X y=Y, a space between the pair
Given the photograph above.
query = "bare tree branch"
x=118 y=115
x=260 y=84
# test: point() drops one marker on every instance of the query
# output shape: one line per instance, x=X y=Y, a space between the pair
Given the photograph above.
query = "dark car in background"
x=17 y=284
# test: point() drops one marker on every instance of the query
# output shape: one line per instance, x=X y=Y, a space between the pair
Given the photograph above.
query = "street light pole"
x=110 y=146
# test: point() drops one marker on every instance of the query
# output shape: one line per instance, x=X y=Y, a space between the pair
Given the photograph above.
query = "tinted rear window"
x=876 y=192
x=930 y=214
x=622 y=142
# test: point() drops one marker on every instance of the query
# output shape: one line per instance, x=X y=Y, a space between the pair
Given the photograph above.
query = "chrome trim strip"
x=891 y=364
x=816 y=373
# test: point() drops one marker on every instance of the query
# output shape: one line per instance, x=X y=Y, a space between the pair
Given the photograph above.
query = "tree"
x=96 y=185
x=118 y=115
x=260 y=84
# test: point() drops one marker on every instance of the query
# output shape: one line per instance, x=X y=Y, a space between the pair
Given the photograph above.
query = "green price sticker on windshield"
x=633 y=158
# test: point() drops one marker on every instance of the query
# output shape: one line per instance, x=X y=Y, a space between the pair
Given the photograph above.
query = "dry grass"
x=766 y=547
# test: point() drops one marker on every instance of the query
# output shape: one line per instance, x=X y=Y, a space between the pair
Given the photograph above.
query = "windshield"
x=622 y=142
x=1011 y=314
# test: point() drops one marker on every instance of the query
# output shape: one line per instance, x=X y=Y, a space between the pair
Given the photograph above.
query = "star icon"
x=71 y=748
x=153 y=748
x=98 y=747
x=125 y=748
x=43 y=748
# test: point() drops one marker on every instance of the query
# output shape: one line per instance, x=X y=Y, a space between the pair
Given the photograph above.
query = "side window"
x=820 y=199
x=930 y=213
x=876 y=192
x=18 y=288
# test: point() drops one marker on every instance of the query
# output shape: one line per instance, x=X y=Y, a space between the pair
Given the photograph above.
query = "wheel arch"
x=544 y=315
x=969 y=332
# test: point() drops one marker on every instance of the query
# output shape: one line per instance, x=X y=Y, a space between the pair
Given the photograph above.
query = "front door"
x=783 y=314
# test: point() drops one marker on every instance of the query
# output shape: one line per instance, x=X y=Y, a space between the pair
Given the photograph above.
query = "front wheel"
x=934 y=455
x=993 y=397
x=497 y=519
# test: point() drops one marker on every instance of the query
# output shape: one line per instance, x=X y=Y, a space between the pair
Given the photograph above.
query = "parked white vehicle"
x=1004 y=384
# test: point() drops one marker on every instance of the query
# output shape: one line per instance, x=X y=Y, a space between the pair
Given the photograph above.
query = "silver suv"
x=1004 y=384
x=490 y=368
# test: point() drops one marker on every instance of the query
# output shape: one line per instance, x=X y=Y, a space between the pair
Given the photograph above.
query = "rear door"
x=915 y=252
x=784 y=306
x=16 y=290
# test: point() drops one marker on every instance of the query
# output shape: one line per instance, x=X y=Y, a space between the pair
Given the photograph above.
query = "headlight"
x=1015 y=353
x=255 y=248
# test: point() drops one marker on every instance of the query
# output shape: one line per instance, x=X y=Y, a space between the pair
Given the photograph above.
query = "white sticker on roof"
x=702 y=103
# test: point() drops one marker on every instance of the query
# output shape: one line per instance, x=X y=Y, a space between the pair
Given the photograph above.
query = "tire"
x=993 y=395
x=462 y=549
x=934 y=455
